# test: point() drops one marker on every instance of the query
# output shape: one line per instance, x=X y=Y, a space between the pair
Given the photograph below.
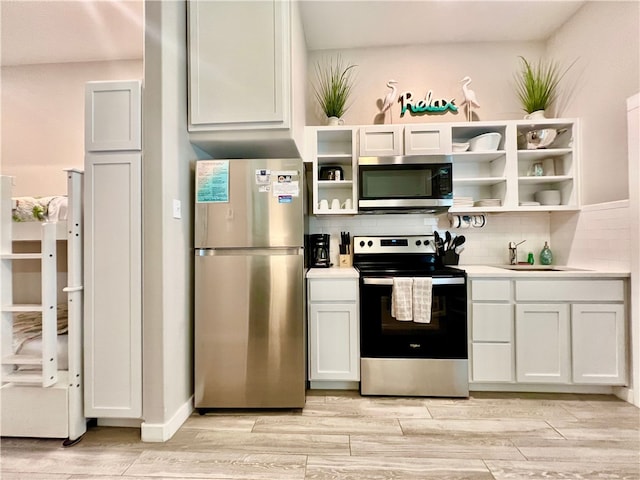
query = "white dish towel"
x=421 y=299
x=401 y=303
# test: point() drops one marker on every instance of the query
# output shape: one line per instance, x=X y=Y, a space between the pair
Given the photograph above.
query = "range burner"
x=402 y=256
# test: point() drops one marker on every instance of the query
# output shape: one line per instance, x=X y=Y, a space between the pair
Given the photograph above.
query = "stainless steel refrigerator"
x=249 y=284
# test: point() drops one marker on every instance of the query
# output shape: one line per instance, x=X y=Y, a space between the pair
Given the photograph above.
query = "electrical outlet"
x=177 y=209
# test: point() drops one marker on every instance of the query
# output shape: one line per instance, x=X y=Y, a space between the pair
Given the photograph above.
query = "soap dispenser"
x=546 y=257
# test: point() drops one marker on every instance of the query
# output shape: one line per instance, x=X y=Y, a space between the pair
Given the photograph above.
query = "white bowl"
x=485 y=142
x=548 y=197
x=460 y=146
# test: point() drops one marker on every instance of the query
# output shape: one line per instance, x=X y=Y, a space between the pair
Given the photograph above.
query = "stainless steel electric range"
x=408 y=357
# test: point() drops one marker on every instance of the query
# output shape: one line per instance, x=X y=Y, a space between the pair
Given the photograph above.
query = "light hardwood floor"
x=341 y=435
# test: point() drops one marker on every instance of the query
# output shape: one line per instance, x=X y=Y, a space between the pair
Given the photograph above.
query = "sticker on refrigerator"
x=285 y=198
x=212 y=181
x=285 y=188
x=263 y=177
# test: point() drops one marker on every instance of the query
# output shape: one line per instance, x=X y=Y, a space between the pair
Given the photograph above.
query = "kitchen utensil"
x=485 y=142
x=438 y=243
x=460 y=146
x=324 y=204
x=347 y=204
x=335 y=204
x=542 y=138
x=447 y=240
x=458 y=241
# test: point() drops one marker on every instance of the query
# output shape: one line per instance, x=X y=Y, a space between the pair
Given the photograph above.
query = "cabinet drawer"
x=491 y=362
x=329 y=290
x=570 y=290
x=491 y=290
x=492 y=322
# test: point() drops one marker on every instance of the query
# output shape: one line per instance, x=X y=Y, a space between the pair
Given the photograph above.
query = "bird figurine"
x=469 y=97
x=390 y=98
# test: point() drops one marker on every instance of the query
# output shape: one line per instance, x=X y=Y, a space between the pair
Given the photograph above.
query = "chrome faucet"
x=513 y=252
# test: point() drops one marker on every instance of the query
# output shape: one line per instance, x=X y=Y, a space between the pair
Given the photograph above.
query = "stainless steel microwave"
x=404 y=183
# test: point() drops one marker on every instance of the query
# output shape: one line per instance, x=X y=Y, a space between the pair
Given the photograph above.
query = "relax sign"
x=426 y=105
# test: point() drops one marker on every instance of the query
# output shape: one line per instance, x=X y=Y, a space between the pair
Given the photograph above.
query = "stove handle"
x=436 y=281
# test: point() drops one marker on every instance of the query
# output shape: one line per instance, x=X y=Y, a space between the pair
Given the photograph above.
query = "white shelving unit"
x=335 y=146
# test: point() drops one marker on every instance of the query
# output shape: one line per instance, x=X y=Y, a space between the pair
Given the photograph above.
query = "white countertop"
x=333 y=272
x=537 y=272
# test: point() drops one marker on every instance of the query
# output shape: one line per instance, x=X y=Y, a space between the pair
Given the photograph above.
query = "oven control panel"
x=391 y=244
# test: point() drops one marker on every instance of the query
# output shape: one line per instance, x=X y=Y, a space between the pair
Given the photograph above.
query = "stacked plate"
x=488 y=202
x=463 y=201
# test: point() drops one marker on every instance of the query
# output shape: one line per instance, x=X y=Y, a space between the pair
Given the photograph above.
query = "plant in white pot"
x=333 y=86
x=537 y=85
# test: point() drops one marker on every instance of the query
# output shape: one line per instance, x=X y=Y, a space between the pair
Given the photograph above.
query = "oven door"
x=382 y=336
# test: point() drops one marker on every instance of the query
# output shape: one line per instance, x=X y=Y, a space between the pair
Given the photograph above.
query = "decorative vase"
x=334 y=121
x=537 y=115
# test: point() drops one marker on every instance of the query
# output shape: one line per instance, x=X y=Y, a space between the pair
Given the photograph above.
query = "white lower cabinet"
x=334 y=335
x=492 y=342
x=598 y=339
x=564 y=332
x=543 y=352
x=334 y=331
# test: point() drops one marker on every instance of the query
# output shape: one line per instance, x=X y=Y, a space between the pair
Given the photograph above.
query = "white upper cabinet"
x=113 y=116
x=241 y=64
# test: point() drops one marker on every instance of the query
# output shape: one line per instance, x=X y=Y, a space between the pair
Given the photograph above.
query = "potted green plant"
x=537 y=85
x=333 y=86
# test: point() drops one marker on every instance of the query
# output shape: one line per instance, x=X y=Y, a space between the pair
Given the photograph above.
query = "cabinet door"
x=238 y=66
x=542 y=343
x=598 y=344
x=491 y=362
x=380 y=140
x=334 y=351
x=113 y=286
x=427 y=139
x=113 y=116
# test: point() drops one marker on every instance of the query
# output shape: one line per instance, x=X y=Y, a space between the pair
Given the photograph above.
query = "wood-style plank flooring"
x=341 y=435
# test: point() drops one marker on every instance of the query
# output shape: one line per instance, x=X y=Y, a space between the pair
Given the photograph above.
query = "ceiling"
x=51 y=31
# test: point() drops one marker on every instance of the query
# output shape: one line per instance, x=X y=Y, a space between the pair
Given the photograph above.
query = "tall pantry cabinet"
x=113 y=250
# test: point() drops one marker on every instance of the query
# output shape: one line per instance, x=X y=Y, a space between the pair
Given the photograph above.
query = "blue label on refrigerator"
x=285 y=198
x=212 y=181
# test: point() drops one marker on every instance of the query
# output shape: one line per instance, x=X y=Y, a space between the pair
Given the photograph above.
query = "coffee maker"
x=319 y=250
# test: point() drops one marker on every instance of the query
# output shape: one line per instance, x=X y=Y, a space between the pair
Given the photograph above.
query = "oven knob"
x=426 y=243
x=418 y=243
x=370 y=243
x=362 y=243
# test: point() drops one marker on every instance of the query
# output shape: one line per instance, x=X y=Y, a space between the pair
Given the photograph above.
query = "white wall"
x=604 y=37
x=167 y=243
x=43 y=120
x=439 y=68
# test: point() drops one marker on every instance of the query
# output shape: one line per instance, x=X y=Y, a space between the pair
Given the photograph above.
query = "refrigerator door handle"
x=208 y=252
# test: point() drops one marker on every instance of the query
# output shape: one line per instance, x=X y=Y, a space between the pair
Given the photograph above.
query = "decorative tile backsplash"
x=484 y=246
x=596 y=237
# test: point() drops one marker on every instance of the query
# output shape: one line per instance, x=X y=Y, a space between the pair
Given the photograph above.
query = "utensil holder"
x=450 y=258
x=346 y=261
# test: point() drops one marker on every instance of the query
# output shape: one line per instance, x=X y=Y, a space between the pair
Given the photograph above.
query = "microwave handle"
x=436 y=281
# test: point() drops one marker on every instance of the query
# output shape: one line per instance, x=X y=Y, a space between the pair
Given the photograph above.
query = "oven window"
x=383 y=336
x=392 y=182
x=391 y=326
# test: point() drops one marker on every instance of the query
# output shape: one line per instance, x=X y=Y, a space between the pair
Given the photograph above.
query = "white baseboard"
x=161 y=432
x=542 y=388
x=624 y=393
